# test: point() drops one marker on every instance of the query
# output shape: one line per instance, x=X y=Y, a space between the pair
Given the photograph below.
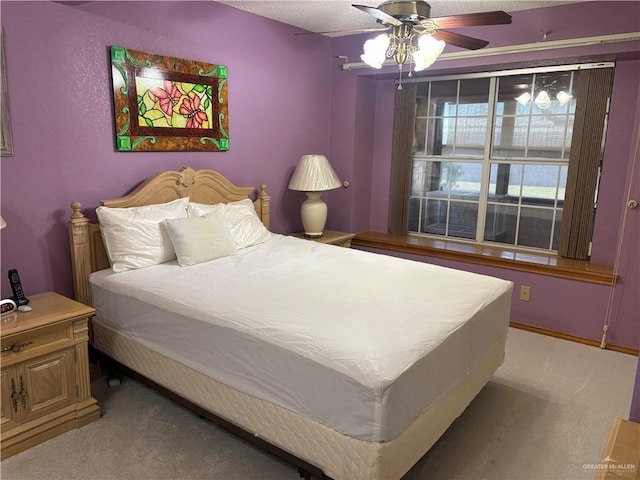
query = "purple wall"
x=567 y=306
x=630 y=243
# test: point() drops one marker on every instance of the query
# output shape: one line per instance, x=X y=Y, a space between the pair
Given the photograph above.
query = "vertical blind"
x=594 y=90
x=401 y=159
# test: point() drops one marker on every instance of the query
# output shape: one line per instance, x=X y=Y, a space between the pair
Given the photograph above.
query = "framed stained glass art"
x=168 y=104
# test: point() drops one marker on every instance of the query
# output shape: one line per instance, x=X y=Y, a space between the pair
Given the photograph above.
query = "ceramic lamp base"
x=314 y=215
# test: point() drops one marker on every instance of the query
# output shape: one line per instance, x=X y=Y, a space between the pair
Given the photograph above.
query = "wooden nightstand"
x=342 y=239
x=44 y=372
x=621 y=456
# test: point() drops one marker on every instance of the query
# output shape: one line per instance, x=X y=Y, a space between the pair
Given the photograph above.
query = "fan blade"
x=472 y=20
x=357 y=30
x=459 y=40
x=379 y=14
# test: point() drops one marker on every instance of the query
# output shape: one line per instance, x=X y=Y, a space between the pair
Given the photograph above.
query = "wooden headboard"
x=203 y=186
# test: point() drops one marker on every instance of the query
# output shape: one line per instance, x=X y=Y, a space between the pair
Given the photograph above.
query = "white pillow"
x=244 y=224
x=200 y=239
x=136 y=237
x=200 y=209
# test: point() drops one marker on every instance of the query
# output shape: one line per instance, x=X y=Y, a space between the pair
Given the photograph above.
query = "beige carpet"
x=545 y=415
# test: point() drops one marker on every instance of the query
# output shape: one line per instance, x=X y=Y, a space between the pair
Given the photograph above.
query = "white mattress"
x=360 y=342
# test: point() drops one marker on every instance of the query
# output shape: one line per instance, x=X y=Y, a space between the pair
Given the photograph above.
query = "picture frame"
x=165 y=103
x=6 y=138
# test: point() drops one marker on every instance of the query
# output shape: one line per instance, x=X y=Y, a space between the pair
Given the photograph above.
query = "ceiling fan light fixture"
x=428 y=50
x=375 y=50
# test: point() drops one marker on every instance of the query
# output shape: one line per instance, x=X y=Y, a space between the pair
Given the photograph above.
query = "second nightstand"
x=330 y=237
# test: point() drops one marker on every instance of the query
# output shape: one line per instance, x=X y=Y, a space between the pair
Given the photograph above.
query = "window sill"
x=492 y=256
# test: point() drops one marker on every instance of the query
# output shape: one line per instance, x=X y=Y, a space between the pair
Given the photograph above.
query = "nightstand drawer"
x=36 y=342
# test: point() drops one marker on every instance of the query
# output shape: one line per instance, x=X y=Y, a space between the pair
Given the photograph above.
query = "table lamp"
x=314 y=175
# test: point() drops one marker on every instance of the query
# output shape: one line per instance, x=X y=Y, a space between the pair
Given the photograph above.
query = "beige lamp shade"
x=314 y=175
x=2 y=223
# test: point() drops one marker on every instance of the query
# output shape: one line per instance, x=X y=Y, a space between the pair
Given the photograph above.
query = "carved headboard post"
x=262 y=205
x=79 y=238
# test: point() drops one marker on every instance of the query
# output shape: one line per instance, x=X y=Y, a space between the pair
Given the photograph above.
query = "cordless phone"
x=18 y=294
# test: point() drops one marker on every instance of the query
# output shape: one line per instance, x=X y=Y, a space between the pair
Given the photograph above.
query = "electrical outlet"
x=525 y=293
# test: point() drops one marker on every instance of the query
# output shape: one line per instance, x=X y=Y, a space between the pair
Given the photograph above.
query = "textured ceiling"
x=332 y=15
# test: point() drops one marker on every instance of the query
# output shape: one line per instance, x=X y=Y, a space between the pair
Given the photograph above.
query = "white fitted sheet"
x=360 y=342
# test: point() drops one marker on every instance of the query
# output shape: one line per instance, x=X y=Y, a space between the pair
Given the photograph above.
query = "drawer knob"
x=15 y=348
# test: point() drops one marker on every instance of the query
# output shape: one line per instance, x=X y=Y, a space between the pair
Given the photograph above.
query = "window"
x=489 y=155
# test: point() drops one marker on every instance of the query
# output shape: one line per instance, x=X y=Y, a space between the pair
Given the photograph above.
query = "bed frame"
x=317 y=450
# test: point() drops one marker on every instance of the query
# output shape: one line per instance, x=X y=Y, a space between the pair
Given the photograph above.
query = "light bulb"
x=543 y=101
x=523 y=98
x=375 y=51
x=428 y=50
x=563 y=97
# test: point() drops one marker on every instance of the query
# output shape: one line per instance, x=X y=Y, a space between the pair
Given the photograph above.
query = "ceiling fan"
x=415 y=36
x=415 y=15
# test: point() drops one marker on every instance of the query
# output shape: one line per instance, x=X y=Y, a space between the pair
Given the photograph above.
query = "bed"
x=348 y=364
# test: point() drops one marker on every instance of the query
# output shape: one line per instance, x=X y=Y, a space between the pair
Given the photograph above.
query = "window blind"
x=403 y=125
x=594 y=90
